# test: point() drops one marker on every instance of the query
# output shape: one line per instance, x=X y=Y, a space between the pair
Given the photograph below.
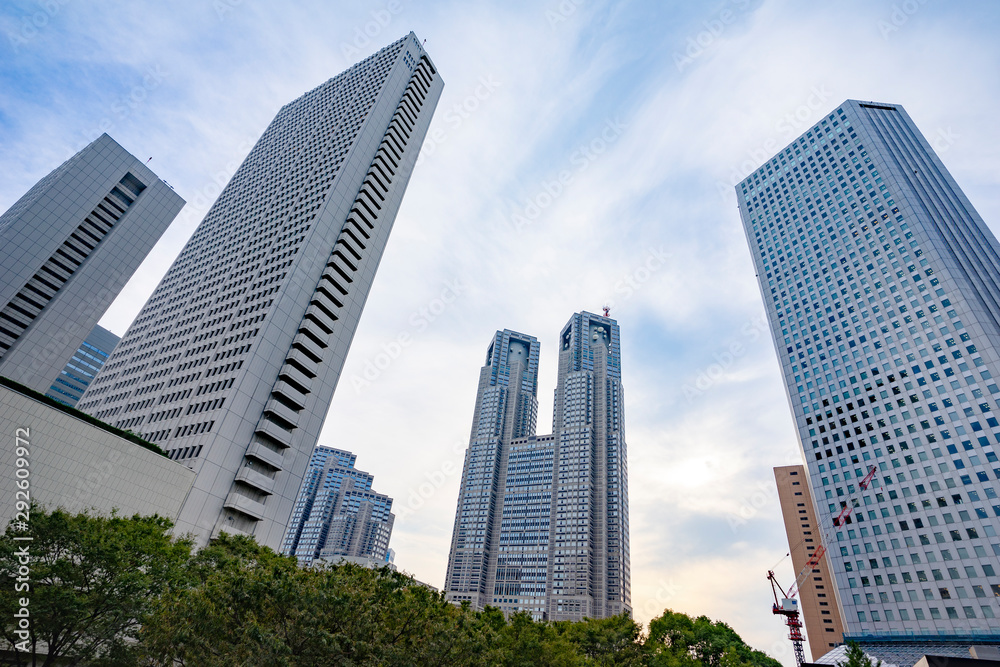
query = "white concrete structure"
x=233 y=361
x=76 y=466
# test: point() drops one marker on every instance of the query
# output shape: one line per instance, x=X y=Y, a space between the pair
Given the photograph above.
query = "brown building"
x=818 y=602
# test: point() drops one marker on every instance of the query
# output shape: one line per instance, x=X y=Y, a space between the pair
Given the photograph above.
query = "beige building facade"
x=818 y=602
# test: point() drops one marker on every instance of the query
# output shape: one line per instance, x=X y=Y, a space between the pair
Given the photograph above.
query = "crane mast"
x=787 y=605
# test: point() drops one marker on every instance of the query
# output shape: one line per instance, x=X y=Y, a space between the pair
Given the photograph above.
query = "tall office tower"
x=506 y=408
x=233 y=361
x=882 y=289
x=80 y=370
x=337 y=513
x=542 y=521
x=69 y=245
x=818 y=600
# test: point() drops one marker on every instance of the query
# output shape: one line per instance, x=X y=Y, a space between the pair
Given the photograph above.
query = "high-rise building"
x=69 y=245
x=817 y=596
x=80 y=370
x=337 y=513
x=232 y=363
x=542 y=521
x=882 y=288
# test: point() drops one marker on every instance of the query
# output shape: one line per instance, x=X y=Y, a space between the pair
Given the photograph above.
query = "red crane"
x=787 y=605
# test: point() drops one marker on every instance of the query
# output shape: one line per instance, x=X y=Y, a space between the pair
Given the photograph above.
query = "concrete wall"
x=75 y=465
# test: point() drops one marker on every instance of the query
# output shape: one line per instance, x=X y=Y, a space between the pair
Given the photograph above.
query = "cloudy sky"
x=584 y=154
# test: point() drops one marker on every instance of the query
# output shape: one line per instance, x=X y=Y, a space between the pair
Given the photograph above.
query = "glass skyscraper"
x=81 y=369
x=233 y=361
x=337 y=513
x=882 y=289
x=542 y=521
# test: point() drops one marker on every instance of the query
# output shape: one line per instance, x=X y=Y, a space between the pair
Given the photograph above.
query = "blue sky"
x=584 y=154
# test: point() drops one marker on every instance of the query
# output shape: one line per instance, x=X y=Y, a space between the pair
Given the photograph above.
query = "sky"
x=583 y=154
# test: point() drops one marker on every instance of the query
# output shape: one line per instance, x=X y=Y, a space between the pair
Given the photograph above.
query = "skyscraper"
x=882 y=289
x=233 y=361
x=542 y=521
x=68 y=246
x=337 y=513
x=80 y=370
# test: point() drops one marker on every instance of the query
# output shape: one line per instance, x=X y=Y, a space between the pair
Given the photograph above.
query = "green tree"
x=607 y=642
x=677 y=640
x=857 y=658
x=523 y=642
x=250 y=606
x=93 y=580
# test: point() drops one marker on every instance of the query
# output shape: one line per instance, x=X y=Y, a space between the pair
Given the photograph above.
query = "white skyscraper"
x=882 y=289
x=68 y=246
x=542 y=521
x=233 y=361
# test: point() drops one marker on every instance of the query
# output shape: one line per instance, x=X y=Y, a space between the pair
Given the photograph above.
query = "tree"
x=857 y=657
x=608 y=642
x=523 y=642
x=677 y=640
x=247 y=605
x=93 y=580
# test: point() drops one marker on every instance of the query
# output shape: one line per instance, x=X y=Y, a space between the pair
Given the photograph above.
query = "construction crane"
x=789 y=608
x=787 y=605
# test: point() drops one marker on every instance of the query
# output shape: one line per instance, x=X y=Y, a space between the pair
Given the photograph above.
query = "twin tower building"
x=231 y=365
x=542 y=521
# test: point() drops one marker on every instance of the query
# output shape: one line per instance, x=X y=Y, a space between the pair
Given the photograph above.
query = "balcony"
x=290 y=394
x=240 y=503
x=266 y=455
x=255 y=479
x=273 y=431
x=308 y=345
x=282 y=413
x=304 y=362
x=296 y=377
x=320 y=318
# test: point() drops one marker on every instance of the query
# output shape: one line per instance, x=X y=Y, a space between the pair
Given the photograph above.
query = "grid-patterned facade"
x=69 y=245
x=506 y=408
x=232 y=363
x=337 y=513
x=81 y=369
x=882 y=289
x=542 y=521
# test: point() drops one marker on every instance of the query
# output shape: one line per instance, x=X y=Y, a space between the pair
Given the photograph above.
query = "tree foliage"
x=857 y=657
x=120 y=591
x=677 y=640
x=92 y=581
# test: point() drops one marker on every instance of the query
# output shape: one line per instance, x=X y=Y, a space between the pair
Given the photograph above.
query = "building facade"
x=69 y=245
x=83 y=366
x=818 y=602
x=337 y=513
x=78 y=466
x=542 y=521
x=882 y=288
x=233 y=361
